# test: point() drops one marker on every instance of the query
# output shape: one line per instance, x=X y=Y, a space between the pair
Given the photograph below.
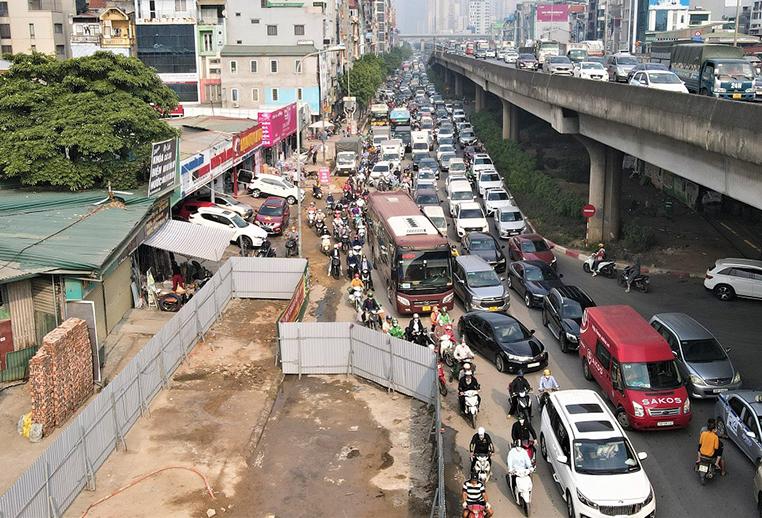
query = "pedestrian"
x=314 y=156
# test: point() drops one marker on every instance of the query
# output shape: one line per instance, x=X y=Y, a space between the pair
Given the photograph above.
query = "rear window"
x=584 y=408
x=594 y=426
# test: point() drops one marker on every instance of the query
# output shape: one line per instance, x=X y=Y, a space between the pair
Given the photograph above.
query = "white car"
x=481 y=162
x=437 y=217
x=380 y=169
x=594 y=463
x=459 y=191
x=495 y=199
x=470 y=218
x=457 y=166
x=444 y=160
x=425 y=177
x=659 y=80
x=511 y=56
x=444 y=148
x=228 y=202
x=242 y=232
x=274 y=185
x=591 y=70
x=731 y=277
x=444 y=132
x=509 y=221
x=458 y=115
x=488 y=179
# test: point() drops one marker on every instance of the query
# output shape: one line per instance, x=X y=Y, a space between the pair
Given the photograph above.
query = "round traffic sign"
x=588 y=211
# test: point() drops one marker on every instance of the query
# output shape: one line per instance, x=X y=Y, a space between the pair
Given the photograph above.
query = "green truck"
x=713 y=69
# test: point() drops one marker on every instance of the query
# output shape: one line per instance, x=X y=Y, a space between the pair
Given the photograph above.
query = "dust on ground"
x=338 y=447
x=215 y=403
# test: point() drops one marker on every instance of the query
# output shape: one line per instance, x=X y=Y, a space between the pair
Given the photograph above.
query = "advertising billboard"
x=553 y=13
x=163 y=166
x=666 y=4
x=277 y=124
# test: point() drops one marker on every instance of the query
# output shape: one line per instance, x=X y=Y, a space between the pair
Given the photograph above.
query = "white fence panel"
x=315 y=347
x=371 y=356
x=266 y=277
x=415 y=369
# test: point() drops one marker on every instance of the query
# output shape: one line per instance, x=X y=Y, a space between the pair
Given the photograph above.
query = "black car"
x=562 y=312
x=533 y=280
x=426 y=196
x=527 y=62
x=503 y=340
x=485 y=246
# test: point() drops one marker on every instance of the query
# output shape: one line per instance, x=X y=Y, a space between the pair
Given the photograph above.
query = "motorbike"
x=325 y=244
x=353 y=265
x=329 y=202
x=366 y=279
x=442 y=381
x=472 y=405
x=476 y=511
x=542 y=397
x=311 y=217
x=640 y=282
x=266 y=250
x=317 y=192
x=345 y=241
x=372 y=319
x=320 y=228
x=530 y=449
x=291 y=248
x=606 y=267
x=482 y=467
x=446 y=347
x=522 y=488
x=336 y=266
x=524 y=405
x=706 y=469
x=356 y=297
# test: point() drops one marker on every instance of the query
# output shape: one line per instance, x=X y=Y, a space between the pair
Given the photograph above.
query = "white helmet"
x=480 y=431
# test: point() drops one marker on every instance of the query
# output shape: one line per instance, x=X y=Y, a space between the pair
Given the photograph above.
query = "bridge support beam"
x=605 y=191
x=480 y=97
x=458 y=85
x=510 y=121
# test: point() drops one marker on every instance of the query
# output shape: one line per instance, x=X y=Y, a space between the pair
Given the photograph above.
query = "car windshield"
x=427 y=199
x=735 y=70
x=424 y=270
x=666 y=78
x=497 y=196
x=446 y=148
x=466 y=134
x=604 y=456
x=427 y=124
x=457 y=166
x=238 y=221
x=462 y=195
x=270 y=210
x=420 y=145
x=482 y=161
x=490 y=177
x=426 y=174
x=560 y=59
x=480 y=243
x=535 y=274
x=651 y=376
x=438 y=221
x=511 y=332
x=482 y=279
x=626 y=60
x=387 y=157
x=702 y=351
x=571 y=309
x=534 y=245
x=471 y=214
x=592 y=66
x=508 y=217
x=526 y=56
x=381 y=168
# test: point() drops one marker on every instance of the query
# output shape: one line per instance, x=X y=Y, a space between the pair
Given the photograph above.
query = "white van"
x=457 y=192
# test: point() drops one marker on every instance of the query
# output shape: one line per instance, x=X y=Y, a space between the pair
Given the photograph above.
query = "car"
x=445 y=132
x=458 y=115
x=437 y=217
x=441 y=113
x=497 y=198
x=702 y=361
x=462 y=126
x=274 y=185
x=531 y=247
x=425 y=177
x=469 y=217
x=485 y=246
x=739 y=418
x=457 y=166
x=189 y=207
x=448 y=140
x=380 y=169
x=480 y=162
x=527 y=62
x=730 y=278
x=466 y=138
x=444 y=160
x=533 y=280
x=227 y=202
x=420 y=151
x=489 y=53
x=659 y=80
x=592 y=459
x=442 y=149
x=448 y=107
x=487 y=179
x=562 y=310
x=273 y=215
x=430 y=164
x=477 y=285
x=558 y=65
x=455 y=177
x=427 y=124
x=646 y=66
x=426 y=196
x=619 y=65
x=504 y=340
x=591 y=70
x=480 y=54
x=510 y=56
x=509 y=221
x=245 y=234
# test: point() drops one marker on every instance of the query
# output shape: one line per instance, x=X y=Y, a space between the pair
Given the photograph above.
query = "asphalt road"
x=671 y=454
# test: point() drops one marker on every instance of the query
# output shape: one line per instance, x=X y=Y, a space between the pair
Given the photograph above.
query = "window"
x=298 y=30
x=603 y=355
x=6 y=49
x=208 y=41
x=255 y=95
x=736 y=406
x=60 y=51
x=33 y=48
x=238 y=42
x=275 y=94
x=234 y=95
x=5 y=30
x=299 y=94
x=214 y=71
x=298 y=66
x=174 y=42
x=58 y=28
x=35 y=5
x=274 y=66
x=238 y=15
x=750 y=421
x=233 y=67
x=255 y=21
x=180 y=5
x=272 y=30
x=253 y=66
x=3 y=8
x=31 y=30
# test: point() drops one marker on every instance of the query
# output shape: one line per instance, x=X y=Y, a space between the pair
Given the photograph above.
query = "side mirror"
x=562 y=458
x=751 y=434
x=531 y=331
x=642 y=455
x=675 y=353
x=231 y=225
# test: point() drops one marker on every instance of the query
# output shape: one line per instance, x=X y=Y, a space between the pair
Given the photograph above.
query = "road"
x=670 y=453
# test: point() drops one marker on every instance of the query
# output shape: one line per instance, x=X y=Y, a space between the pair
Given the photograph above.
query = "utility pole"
x=735 y=32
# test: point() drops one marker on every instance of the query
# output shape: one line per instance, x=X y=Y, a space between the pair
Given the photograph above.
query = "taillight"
x=707 y=276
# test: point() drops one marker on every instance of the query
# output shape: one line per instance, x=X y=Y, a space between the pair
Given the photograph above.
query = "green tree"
x=370 y=71
x=81 y=122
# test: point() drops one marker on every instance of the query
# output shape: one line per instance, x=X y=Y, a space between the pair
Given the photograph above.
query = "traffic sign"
x=324 y=174
x=588 y=211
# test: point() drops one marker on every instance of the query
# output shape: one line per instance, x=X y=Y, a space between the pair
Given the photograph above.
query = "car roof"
x=481 y=155
x=509 y=208
x=752 y=397
x=274 y=201
x=563 y=399
x=469 y=205
x=735 y=261
x=575 y=293
x=433 y=210
x=529 y=237
x=626 y=332
x=473 y=263
x=685 y=326
x=497 y=189
x=216 y=210
x=493 y=318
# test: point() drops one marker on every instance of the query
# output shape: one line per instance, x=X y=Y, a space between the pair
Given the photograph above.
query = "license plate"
x=665 y=423
x=736 y=96
x=493 y=308
x=535 y=364
x=717 y=391
x=426 y=308
x=703 y=468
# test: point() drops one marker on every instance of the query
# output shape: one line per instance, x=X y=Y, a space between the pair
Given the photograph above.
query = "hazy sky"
x=411 y=15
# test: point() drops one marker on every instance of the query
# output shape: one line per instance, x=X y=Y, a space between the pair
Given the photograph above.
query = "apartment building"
x=480 y=16
x=36 y=25
x=106 y=26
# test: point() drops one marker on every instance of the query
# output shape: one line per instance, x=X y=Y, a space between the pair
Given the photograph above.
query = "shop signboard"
x=163 y=166
x=247 y=141
x=277 y=124
x=324 y=174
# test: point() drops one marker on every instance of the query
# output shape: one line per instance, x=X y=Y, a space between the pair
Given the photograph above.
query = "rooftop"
x=266 y=50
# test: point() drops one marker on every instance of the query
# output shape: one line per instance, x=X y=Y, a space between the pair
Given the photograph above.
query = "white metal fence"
x=69 y=464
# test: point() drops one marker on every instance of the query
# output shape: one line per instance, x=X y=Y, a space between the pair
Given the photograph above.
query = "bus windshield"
x=422 y=270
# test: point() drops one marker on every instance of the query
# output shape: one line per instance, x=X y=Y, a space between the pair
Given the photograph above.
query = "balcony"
x=116 y=41
x=85 y=38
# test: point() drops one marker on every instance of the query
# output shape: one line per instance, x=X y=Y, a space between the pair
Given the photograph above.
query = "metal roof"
x=266 y=50
x=191 y=240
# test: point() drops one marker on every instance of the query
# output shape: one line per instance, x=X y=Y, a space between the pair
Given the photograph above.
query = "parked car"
x=497 y=198
x=274 y=185
x=619 y=65
x=562 y=311
x=593 y=461
x=189 y=207
x=245 y=234
x=502 y=339
x=485 y=246
x=739 y=415
x=590 y=70
x=531 y=247
x=527 y=62
x=558 y=65
x=227 y=202
x=703 y=362
x=488 y=179
x=477 y=285
x=509 y=221
x=533 y=280
x=470 y=218
x=273 y=215
x=730 y=278
x=659 y=80
x=437 y=217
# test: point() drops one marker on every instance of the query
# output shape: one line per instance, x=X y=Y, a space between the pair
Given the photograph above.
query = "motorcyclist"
x=709 y=445
x=292 y=234
x=357 y=282
x=474 y=493
x=517 y=459
x=335 y=254
x=387 y=325
x=353 y=263
x=414 y=328
x=522 y=430
x=481 y=444
x=598 y=256
x=329 y=201
x=434 y=317
x=444 y=317
x=631 y=273
x=396 y=331
x=369 y=305
x=467 y=382
x=461 y=354
x=546 y=385
x=519 y=384
x=317 y=191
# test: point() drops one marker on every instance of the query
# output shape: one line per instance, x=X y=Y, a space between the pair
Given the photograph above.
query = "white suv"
x=470 y=218
x=729 y=278
x=247 y=235
x=592 y=459
x=274 y=185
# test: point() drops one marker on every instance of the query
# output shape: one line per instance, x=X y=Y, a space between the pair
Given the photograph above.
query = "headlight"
x=403 y=300
x=696 y=380
x=571 y=337
x=687 y=406
x=447 y=299
x=737 y=378
x=649 y=497
x=638 y=409
x=485 y=228
x=583 y=499
x=720 y=90
x=749 y=90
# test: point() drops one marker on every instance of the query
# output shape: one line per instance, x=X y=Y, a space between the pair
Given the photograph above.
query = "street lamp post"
x=335 y=48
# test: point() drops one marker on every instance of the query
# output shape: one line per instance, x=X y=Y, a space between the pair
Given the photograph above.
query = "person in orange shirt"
x=710 y=446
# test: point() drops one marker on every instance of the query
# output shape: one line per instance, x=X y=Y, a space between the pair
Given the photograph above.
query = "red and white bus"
x=408 y=252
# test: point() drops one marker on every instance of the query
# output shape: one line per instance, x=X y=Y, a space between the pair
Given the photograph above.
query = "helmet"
x=394 y=321
x=389 y=318
x=469 y=372
x=370 y=293
x=415 y=316
x=600 y=245
x=480 y=431
x=520 y=373
x=546 y=372
x=357 y=276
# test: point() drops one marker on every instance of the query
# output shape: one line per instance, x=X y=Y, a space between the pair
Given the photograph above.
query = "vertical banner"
x=163 y=166
x=324 y=174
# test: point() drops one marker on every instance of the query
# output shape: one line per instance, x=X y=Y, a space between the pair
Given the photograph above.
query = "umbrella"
x=321 y=125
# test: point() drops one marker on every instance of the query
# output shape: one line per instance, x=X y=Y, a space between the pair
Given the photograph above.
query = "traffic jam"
x=436 y=250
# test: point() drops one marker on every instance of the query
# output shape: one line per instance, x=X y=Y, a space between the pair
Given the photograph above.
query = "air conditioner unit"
x=235 y=104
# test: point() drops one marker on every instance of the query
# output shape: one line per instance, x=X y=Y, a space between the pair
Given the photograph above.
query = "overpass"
x=445 y=37
x=712 y=142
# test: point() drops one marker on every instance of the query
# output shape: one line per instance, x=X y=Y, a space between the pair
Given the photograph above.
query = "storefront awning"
x=192 y=240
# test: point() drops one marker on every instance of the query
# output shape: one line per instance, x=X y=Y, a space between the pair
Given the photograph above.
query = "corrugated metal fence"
x=69 y=464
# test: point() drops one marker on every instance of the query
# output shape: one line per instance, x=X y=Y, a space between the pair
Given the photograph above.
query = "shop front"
x=278 y=135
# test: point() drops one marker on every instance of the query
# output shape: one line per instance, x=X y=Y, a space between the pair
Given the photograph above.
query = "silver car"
x=738 y=418
x=700 y=357
x=558 y=65
x=477 y=285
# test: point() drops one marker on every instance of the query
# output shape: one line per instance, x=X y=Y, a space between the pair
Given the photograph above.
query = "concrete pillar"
x=480 y=95
x=510 y=121
x=605 y=191
x=458 y=85
x=613 y=194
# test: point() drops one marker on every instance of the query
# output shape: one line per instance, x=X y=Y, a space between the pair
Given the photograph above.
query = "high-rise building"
x=755 y=23
x=36 y=25
x=481 y=16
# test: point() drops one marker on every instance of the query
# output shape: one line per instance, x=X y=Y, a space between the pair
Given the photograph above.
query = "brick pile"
x=61 y=374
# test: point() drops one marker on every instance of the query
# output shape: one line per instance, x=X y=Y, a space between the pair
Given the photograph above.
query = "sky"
x=411 y=15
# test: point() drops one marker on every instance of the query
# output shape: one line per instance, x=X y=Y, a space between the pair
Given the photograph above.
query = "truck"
x=713 y=69
x=380 y=134
x=576 y=52
x=594 y=47
x=379 y=114
x=393 y=151
x=347 y=151
x=544 y=49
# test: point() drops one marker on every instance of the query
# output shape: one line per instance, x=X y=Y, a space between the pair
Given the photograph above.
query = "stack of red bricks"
x=61 y=374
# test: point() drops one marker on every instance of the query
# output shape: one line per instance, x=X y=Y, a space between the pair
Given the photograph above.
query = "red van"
x=635 y=367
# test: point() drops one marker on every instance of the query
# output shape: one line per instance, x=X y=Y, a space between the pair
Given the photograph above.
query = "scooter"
x=291 y=248
x=366 y=279
x=706 y=469
x=325 y=243
x=522 y=488
x=373 y=319
x=476 y=511
x=530 y=449
x=335 y=266
x=524 y=405
x=355 y=297
x=266 y=250
x=311 y=218
x=472 y=405
x=446 y=347
x=640 y=282
x=442 y=381
x=606 y=267
x=483 y=468
x=317 y=192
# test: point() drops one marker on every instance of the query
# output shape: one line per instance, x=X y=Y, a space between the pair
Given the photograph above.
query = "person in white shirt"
x=547 y=385
x=518 y=459
x=461 y=353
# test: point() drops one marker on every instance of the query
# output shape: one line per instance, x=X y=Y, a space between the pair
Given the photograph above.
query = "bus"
x=379 y=115
x=546 y=48
x=399 y=117
x=408 y=252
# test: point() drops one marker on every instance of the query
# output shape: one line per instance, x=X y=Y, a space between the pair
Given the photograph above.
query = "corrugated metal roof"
x=214 y=123
x=191 y=240
x=266 y=50
x=12 y=272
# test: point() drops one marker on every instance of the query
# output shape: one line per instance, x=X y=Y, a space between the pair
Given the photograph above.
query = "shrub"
x=637 y=238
